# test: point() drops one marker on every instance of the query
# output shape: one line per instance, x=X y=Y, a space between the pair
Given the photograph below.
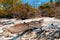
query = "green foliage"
x=4 y=13
x=23 y=11
x=51 y=1
x=51 y=12
x=7 y=10
x=47 y=10
x=44 y=6
x=57 y=0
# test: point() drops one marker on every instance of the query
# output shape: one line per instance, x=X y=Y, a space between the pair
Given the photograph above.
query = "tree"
x=51 y=1
x=57 y=2
x=7 y=3
x=15 y=3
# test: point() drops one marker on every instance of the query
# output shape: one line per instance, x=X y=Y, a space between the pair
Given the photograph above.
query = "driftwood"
x=19 y=35
x=25 y=26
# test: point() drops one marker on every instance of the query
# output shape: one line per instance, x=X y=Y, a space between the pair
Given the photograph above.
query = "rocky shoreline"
x=30 y=29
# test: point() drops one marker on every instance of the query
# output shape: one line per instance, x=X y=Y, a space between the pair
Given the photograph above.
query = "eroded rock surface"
x=36 y=29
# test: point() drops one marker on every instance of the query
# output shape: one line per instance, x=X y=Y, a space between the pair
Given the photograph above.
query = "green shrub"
x=44 y=6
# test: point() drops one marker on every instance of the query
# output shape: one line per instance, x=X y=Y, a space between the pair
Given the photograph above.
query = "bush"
x=5 y=13
x=44 y=6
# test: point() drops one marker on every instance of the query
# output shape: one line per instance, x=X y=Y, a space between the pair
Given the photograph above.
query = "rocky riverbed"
x=31 y=29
